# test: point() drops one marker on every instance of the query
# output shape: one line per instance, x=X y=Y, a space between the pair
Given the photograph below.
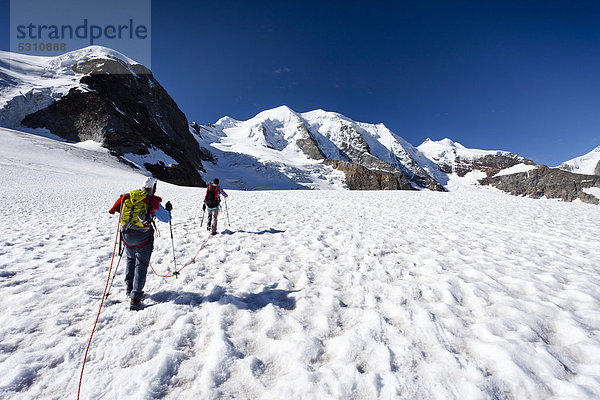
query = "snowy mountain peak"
x=281 y=113
x=297 y=141
x=440 y=144
x=448 y=148
x=71 y=58
x=451 y=143
x=97 y=52
x=31 y=83
x=453 y=157
x=105 y=97
x=225 y=122
x=26 y=67
x=588 y=164
x=320 y=114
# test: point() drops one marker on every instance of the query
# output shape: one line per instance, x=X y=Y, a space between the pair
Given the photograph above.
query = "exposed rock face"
x=550 y=182
x=328 y=137
x=363 y=171
x=453 y=157
x=128 y=111
x=195 y=127
x=597 y=169
x=490 y=164
x=359 y=177
x=308 y=145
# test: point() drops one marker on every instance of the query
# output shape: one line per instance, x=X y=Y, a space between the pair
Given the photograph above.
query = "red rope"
x=179 y=270
x=100 y=309
x=106 y=287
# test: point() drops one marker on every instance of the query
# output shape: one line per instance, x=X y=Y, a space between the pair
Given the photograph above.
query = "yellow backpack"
x=135 y=214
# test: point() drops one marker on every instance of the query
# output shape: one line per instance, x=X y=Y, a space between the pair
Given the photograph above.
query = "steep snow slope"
x=471 y=294
x=240 y=164
x=588 y=164
x=23 y=155
x=382 y=143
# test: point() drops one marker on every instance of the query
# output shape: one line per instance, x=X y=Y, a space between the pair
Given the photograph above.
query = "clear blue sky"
x=522 y=76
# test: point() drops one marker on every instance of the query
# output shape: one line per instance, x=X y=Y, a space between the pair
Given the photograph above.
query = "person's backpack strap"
x=135 y=204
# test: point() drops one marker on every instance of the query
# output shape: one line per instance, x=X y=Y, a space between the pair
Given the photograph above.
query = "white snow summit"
x=588 y=164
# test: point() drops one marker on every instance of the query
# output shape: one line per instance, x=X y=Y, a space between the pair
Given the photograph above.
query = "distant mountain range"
x=99 y=94
x=317 y=148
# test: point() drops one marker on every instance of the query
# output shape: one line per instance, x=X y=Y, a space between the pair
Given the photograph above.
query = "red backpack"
x=212 y=199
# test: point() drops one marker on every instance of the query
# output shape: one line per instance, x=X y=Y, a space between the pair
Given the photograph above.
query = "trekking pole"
x=116 y=268
x=176 y=273
x=227 y=211
x=202 y=220
x=113 y=277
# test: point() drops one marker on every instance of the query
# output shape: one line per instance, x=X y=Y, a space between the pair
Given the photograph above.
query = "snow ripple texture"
x=472 y=294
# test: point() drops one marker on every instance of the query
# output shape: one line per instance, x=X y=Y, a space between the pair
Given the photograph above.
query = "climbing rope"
x=188 y=263
x=106 y=288
x=99 y=309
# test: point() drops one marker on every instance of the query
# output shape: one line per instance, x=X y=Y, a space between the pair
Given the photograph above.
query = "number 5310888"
x=42 y=46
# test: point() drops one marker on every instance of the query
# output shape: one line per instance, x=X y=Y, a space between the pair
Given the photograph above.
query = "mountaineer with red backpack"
x=138 y=209
x=212 y=200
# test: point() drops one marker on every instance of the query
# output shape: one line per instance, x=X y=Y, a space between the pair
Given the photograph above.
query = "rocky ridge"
x=552 y=183
x=454 y=158
x=120 y=104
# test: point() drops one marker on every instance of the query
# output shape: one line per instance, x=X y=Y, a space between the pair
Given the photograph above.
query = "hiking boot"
x=208 y=227
x=128 y=290
x=214 y=232
x=135 y=304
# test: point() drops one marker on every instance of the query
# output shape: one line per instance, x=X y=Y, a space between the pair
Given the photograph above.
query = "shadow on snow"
x=251 y=301
x=271 y=230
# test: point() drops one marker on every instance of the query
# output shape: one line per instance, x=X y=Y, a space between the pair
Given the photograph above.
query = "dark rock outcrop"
x=553 y=183
x=195 y=127
x=308 y=144
x=359 y=177
x=358 y=151
x=491 y=164
x=363 y=170
x=127 y=110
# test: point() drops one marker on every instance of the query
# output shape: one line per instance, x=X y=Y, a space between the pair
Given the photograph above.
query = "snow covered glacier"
x=471 y=294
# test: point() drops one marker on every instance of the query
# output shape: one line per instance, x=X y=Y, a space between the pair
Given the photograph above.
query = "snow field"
x=472 y=294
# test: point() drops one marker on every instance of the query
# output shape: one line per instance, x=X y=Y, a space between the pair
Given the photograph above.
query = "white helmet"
x=149 y=184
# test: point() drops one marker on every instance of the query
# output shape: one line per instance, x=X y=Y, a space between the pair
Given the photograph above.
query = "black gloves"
x=168 y=206
x=203 y=207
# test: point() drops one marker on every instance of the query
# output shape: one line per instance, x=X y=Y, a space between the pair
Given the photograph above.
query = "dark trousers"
x=138 y=259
